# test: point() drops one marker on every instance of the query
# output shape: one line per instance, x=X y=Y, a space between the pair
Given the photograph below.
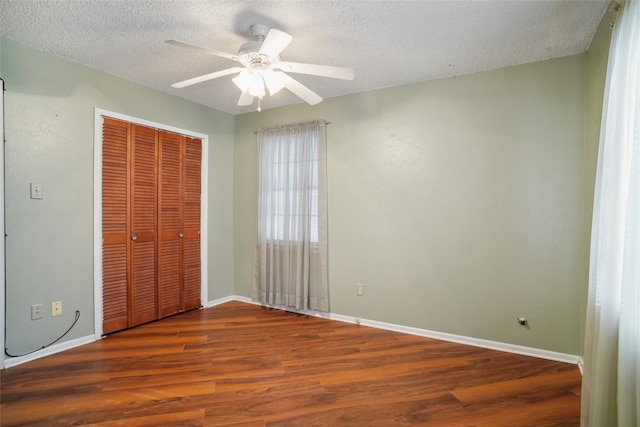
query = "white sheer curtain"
x=291 y=255
x=612 y=343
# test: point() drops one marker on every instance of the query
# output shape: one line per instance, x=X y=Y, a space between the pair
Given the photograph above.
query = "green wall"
x=458 y=203
x=49 y=113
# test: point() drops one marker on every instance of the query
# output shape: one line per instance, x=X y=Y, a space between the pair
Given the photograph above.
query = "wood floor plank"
x=187 y=418
x=521 y=386
x=242 y=365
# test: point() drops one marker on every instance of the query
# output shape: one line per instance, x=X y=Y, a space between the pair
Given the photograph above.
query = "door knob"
x=181 y=235
x=134 y=237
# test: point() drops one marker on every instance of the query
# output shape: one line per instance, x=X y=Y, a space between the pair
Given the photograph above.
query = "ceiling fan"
x=262 y=67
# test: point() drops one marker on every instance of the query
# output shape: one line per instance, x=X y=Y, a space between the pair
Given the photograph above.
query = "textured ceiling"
x=387 y=43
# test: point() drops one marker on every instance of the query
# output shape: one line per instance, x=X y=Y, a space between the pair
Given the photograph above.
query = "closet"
x=151 y=185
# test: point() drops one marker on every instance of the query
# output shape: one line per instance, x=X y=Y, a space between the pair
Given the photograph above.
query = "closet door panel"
x=144 y=290
x=115 y=313
x=169 y=278
x=142 y=249
x=169 y=223
x=192 y=280
x=114 y=225
x=191 y=240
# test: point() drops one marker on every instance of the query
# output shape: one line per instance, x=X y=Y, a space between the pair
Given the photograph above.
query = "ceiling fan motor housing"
x=259 y=31
x=250 y=57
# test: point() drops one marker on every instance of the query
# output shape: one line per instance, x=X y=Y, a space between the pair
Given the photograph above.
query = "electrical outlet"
x=56 y=308
x=360 y=289
x=36 y=311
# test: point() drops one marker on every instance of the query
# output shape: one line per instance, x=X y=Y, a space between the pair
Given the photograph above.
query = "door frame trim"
x=3 y=314
x=97 y=205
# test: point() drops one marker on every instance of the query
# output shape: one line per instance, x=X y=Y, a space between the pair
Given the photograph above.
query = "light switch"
x=36 y=191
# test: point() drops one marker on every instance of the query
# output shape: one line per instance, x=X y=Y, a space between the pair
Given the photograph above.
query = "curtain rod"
x=255 y=132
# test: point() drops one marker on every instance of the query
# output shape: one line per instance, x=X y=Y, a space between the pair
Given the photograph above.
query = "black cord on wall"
x=6 y=350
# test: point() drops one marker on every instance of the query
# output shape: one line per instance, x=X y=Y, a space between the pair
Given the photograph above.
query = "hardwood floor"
x=242 y=365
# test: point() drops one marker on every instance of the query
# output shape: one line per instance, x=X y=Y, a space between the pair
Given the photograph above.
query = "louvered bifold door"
x=115 y=237
x=151 y=224
x=142 y=240
x=169 y=223
x=191 y=221
x=179 y=223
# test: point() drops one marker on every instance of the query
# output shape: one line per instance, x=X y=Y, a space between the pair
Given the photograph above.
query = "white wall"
x=458 y=203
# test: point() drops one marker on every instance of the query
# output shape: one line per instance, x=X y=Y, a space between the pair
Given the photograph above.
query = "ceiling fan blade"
x=317 y=70
x=275 y=42
x=205 y=49
x=206 y=77
x=245 y=99
x=300 y=90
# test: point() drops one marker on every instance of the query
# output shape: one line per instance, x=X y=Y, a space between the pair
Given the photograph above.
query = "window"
x=290 y=162
x=291 y=256
x=294 y=192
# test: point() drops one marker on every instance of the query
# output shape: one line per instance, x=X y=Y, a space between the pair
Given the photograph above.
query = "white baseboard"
x=460 y=339
x=476 y=342
x=56 y=348
x=221 y=301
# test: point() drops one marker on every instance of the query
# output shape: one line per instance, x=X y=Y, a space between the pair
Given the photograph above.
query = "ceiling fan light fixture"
x=250 y=82
x=257 y=89
x=274 y=81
